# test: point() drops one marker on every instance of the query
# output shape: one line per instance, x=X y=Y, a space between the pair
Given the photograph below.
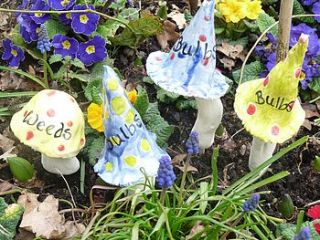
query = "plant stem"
x=183 y=180
x=45 y=69
x=70 y=11
x=163 y=195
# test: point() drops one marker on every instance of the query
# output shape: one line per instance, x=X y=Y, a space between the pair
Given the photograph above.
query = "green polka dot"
x=113 y=84
x=145 y=145
x=131 y=161
x=108 y=166
x=130 y=117
x=119 y=105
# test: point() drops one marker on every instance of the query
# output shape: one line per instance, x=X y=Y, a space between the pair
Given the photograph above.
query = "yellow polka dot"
x=113 y=84
x=145 y=145
x=130 y=117
x=118 y=105
x=108 y=166
x=131 y=161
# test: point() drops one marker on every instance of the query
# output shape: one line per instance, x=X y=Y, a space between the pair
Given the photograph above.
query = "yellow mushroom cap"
x=269 y=108
x=51 y=123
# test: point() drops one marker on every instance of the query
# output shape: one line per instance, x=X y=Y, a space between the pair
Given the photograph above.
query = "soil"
x=302 y=184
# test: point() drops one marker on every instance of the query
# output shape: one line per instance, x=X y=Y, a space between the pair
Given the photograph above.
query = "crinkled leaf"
x=186 y=103
x=108 y=29
x=287 y=231
x=21 y=168
x=298 y=9
x=118 y=4
x=315 y=85
x=55 y=27
x=77 y=63
x=142 y=102
x=156 y=124
x=129 y=14
x=264 y=21
x=93 y=90
x=165 y=96
x=55 y=58
x=144 y=27
x=251 y=72
x=95 y=148
x=60 y=73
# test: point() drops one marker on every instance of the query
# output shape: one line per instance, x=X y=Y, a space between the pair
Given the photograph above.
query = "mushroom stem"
x=208 y=120
x=64 y=166
x=260 y=152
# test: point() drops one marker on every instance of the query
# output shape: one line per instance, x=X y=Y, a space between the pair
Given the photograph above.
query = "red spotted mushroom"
x=52 y=123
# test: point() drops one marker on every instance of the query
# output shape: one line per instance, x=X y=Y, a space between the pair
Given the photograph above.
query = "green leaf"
x=108 y=29
x=55 y=27
x=118 y=5
x=251 y=72
x=287 y=231
x=92 y=91
x=298 y=10
x=264 y=21
x=144 y=27
x=186 y=103
x=129 y=14
x=147 y=80
x=94 y=149
x=286 y=206
x=55 y=58
x=77 y=63
x=156 y=124
x=315 y=85
x=165 y=96
x=142 y=102
x=20 y=168
x=59 y=75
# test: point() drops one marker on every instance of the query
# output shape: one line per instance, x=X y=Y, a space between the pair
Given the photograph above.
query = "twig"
x=73 y=210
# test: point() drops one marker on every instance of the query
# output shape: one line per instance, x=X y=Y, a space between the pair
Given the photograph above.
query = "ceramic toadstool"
x=269 y=107
x=189 y=69
x=52 y=123
x=130 y=149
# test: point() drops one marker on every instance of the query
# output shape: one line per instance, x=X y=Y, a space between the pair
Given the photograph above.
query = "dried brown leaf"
x=310 y=110
x=189 y=168
x=73 y=230
x=232 y=51
x=5 y=186
x=11 y=81
x=168 y=35
x=307 y=124
x=178 y=159
x=227 y=63
x=4 y=20
x=179 y=18
x=24 y=235
x=6 y=144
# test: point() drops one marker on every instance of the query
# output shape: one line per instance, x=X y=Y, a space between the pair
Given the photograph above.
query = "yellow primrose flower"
x=95 y=114
x=132 y=95
x=254 y=9
x=232 y=10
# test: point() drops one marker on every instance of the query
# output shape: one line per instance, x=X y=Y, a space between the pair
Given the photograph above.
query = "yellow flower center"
x=68 y=15
x=65 y=2
x=66 y=44
x=14 y=52
x=84 y=19
x=38 y=30
x=38 y=14
x=91 y=49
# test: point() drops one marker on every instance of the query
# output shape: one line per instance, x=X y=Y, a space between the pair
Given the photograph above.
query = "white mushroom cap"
x=51 y=123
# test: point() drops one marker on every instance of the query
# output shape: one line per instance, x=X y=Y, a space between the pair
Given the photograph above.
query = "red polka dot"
x=51 y=93
x=158 y=58
x=251 y=109
x=172 y=56
x=275 y=130
x=61 y=148
x=51 y=112
x=207 y=18
x=81 y=141
x=266 y=81
x=205 y=61
x=70 y=123
x=297 y=72
x=202 y=38
x=25 y=113
x=29 y=135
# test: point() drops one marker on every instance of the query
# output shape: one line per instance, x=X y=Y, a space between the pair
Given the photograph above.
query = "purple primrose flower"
x=92 y=51
x=65 y=18
x=40 y=18
x=65 y=46
x=308 y=2
x=316 y=10
x=12 y=53
x=28 y=28
x=85 y=23
x=61 y=4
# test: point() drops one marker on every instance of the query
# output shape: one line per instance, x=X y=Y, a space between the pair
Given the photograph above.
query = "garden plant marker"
x=129 y=147
x=189 y=69
x=52 y=123
x=269 y=107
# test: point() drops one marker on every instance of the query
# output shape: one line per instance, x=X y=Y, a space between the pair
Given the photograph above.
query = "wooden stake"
x=285 y=19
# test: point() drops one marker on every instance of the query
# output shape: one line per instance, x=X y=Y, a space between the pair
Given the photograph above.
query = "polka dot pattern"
x=108 y=166
x=145 y=145
x=118 y=105
x=266 y=81
x=29 y=135
x=202 y=38
x=51 y=113
x=131 y=161
x=61 y=148
x=251 y=110
x=275 y=130
x=113 y=84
